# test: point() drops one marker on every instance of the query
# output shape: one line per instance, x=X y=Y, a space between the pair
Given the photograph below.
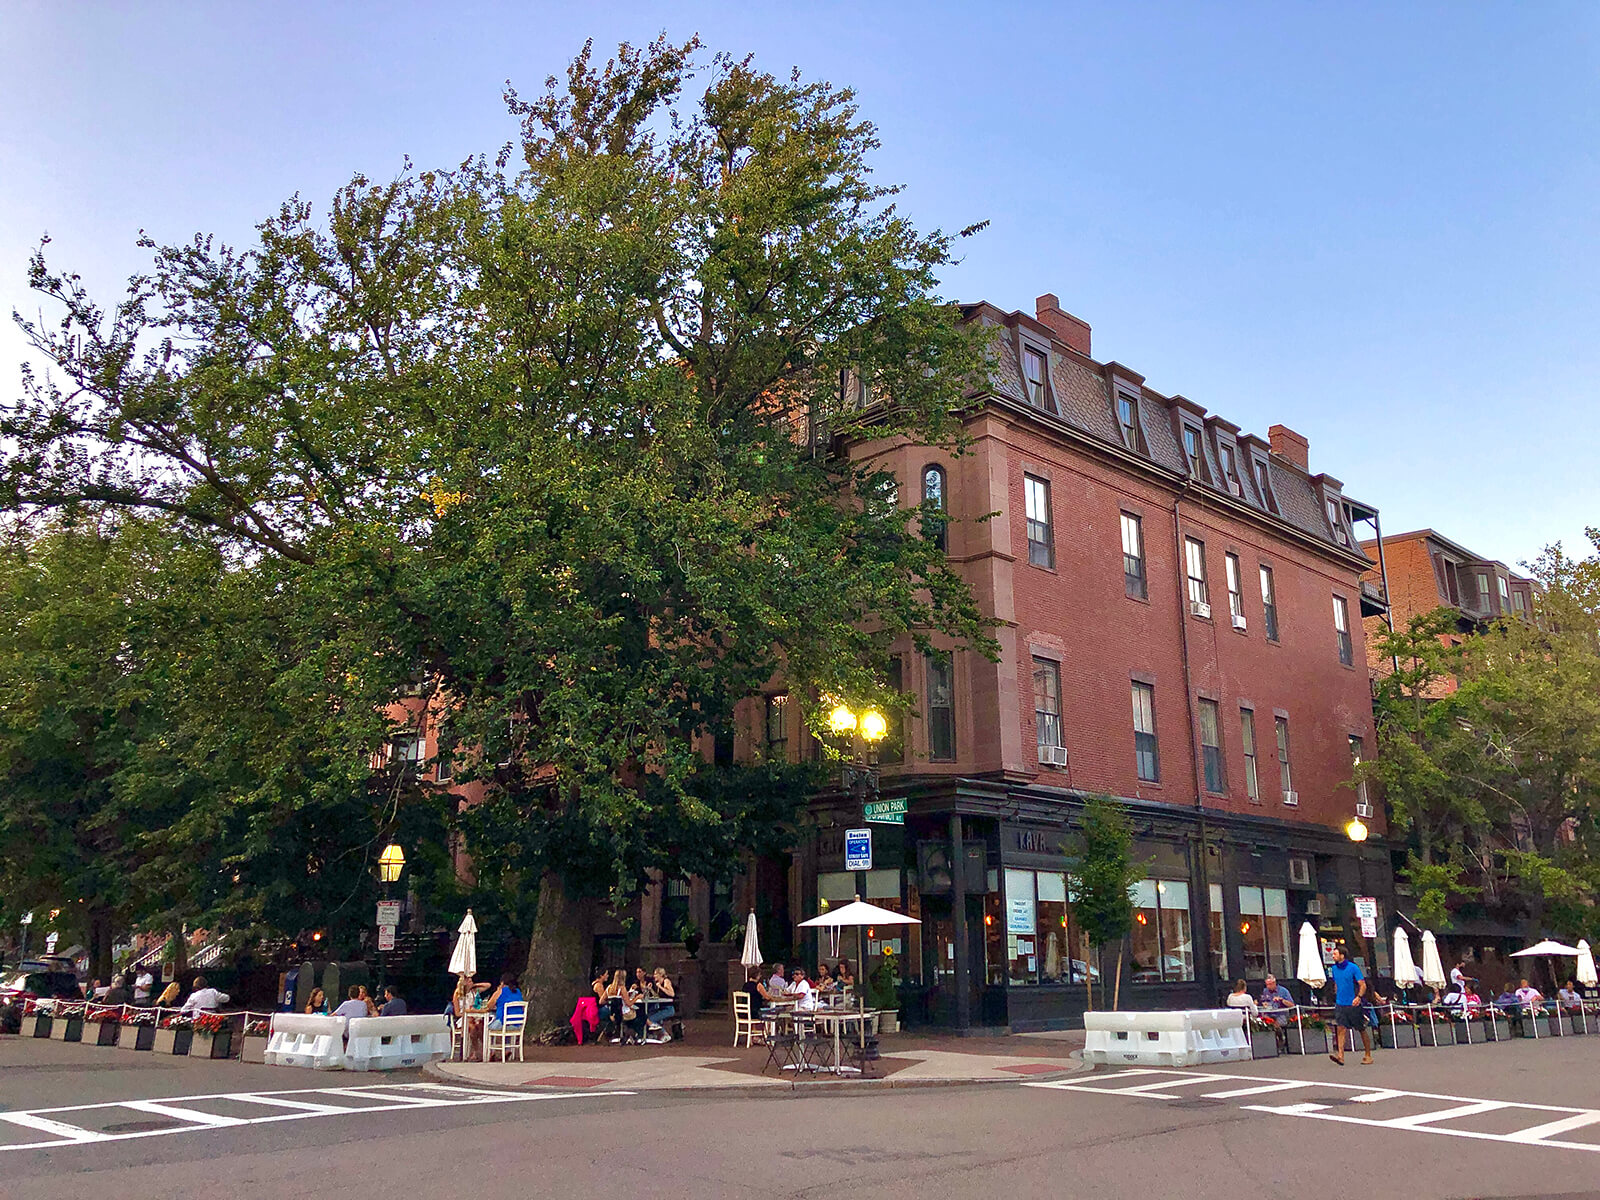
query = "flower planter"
x=889 y=1022
x=1396 y=1036
x=105 y=1032
x=1560 y=1026
x=1308 y=1041
x=254 y=1049
x=137 y=1037
x=172 y=1041
x=41 y=1025
x=210 y=1045
x=1263 y=1043
x=1531 y=1026
x=1470 y=1033
x=1438 y=1032
x=66 y=1029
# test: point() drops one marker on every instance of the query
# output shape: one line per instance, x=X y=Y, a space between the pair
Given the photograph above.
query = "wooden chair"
x=509 y=1036
x=745 y=1023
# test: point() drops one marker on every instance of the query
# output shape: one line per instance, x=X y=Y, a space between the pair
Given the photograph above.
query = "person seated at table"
x=643 y=983
x=756 y=990
x=825 y=984
x=843 y=975
x=507 y=993
x=1466 y=1002
x=624 y=1007
x=1241 y=998
x=1275 y=998
x=1506 y=1000
x=317 y=1005
x=354 y=1005
x=1569 y=998
x=801 y=991
x=778 y=982
x=661 y=985
x=1529 y=997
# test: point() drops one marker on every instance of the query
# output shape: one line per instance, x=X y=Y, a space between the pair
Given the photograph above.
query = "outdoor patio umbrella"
x=464 y=958
x=1549 y=950
x=859 y=914
x=1586 y=973
x=1405 y=969
x=1432 y=969
x=1310 y=970
x=752 y=945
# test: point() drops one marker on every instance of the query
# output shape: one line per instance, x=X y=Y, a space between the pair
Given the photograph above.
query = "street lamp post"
x=390 y=863
x=859 y=772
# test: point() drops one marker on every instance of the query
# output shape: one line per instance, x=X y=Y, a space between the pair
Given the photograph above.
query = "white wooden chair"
x=745 y=1023
x=509 y=1036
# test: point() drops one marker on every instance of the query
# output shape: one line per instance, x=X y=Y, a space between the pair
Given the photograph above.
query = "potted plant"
x=104 y=1025
x=257 y=1036
x=883 y=993
x=688 y=933
x=1263 y=1037
x=1308 y=1034
x=138 y=1029
x=174 y=1034
x=1397 y=1031
x=213 y=1036
x=66 y=1023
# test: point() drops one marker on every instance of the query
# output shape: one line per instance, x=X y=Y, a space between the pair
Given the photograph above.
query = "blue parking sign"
x=858 y=849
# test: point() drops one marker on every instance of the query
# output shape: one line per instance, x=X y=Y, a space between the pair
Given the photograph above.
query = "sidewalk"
x=704 y=1061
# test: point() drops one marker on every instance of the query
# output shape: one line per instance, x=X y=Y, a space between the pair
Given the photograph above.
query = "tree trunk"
x=100 y=945
x=180 y=957
x=1116 y=983
x=558 y=954
x=1088 y=980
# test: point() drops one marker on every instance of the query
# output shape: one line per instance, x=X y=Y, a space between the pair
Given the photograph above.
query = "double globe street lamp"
x=859 y=775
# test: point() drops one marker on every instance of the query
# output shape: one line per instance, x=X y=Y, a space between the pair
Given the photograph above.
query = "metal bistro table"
x=839 y=1019
x=482 y=1015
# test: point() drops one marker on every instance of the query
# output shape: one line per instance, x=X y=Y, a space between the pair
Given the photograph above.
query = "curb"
x=817 y=1087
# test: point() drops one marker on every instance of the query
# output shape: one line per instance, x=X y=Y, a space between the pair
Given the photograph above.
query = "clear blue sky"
x=1377 y=227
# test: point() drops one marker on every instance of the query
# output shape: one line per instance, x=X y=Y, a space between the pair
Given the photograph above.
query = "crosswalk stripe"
x=71 y=1133
x=156 y=1108
x=1446 y=1114
x=1551 y=1128
x=1258 y=1090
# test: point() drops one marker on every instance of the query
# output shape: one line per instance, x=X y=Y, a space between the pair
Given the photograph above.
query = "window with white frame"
x=1035 y=366
x=1216 y=775
x=1194 y=552
x=1162 y=948
x=1133 y=576
x=1235 y=588
x=1192 y=451
x=1269 y=604
x=1285 y=779
x=1341 y=626
x=1128 y=419
x=1247 y=732
x=1264 y=930
x=1145 y=749
x=1047 y=701
x=1041 y=536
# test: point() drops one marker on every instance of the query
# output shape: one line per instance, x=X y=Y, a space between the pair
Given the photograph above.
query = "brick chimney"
x=1068 y=328
x=1290 y=446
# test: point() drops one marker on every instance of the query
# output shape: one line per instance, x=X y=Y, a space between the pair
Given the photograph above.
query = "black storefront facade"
x=986 y=867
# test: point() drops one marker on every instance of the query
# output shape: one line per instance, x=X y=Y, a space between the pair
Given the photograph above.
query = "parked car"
x=41 y=981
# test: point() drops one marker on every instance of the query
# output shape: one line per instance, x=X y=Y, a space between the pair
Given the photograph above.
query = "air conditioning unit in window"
x=1363 y=808
x=1291 y=798
x=1236 y=488
x=1313 y=908
x=1239 y=622
x=1199 y=608
x=1053 y=756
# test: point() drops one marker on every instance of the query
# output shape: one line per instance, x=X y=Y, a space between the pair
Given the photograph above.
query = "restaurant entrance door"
x=940 y=952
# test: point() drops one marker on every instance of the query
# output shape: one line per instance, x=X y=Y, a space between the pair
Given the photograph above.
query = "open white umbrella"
x=859 y=914
x=1432 y=968
x=1405 y=969
x=1309 y=960
x=464 y=958
x=1586 y=972
x=1547 y=949
x=752 y=944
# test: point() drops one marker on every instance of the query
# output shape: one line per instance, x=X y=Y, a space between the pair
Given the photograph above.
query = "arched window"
x=933 y=500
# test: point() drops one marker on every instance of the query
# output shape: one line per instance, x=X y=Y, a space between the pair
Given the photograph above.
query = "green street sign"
x=885 y=812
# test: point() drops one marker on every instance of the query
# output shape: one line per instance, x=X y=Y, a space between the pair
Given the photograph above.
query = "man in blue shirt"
x=1349 y=986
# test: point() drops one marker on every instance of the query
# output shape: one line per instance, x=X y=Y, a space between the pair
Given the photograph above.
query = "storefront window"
x=994 y=935
x=883 y=889
x=1054 y=959
x=1021 y=928
x=1264 y=929
x=1219 y=944
x=1038 y=929
x=1163 y=950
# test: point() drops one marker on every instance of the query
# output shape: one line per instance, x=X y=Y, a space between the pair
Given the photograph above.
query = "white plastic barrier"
x=1186 y=1038
x=302 y=1041
x=384 y=1043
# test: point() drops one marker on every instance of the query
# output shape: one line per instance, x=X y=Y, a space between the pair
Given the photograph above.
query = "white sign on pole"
x=50 y=943
x=1367 y=915
x=858 y=850
x=27 y=918
x=385 y=937
x=388 y=913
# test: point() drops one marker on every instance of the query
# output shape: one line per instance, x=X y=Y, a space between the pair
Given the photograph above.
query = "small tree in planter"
x=213 y=1036
x=138 y=1029
x=883 y=993
x=257 y=1034
x=1103 y=902
x=174 y=1035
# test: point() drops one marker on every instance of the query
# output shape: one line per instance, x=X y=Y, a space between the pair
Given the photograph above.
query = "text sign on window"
x=858 y=850
x=1367 y=915
x=388 y=913
x=1019 y=914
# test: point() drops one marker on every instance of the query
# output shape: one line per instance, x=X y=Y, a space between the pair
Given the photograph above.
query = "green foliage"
x=1103 y=902
x=1432 y=885
x=883 y=985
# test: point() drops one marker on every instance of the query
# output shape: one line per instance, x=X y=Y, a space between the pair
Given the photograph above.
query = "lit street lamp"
x=859 y=775
x=390 y=863
x=1355 y=829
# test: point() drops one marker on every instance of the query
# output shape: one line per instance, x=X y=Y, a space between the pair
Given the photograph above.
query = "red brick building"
x=1180 y=610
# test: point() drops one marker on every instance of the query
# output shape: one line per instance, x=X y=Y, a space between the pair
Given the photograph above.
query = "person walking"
x=1349 y=987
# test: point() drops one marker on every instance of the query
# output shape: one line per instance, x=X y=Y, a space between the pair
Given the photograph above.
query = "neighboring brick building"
x=1150 y=566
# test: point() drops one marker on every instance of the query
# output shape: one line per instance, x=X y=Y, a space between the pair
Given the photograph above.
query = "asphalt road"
x=1421 y=1123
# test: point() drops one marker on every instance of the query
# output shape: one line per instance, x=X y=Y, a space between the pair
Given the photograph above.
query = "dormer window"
x=1128 y=419
x=1230 y=468
x=1035 y=373
x=1264 y=486
x=1336 y=520
x=1191 y=451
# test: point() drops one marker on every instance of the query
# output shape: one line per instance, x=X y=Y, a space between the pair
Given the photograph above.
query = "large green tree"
x=561 y=442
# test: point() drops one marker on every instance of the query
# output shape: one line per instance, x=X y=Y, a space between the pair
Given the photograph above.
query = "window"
x=1285 y=781
x=933 y=505
x=1128 y=418
x=1047 y=701
x=1264 y=484
x=1163 y=951
x=1341 y=626
x=1041 y=539
x=1144 y=733
x=777 y=727
x=1334 y=519
x=1191 y=451
x=1219 y=940
x=1133 y=580
x=941 y=709
x=1195 y=555
x=405 y=752
x=1211 y=748
x=1247 y=731
x=1230 y=469
x=1356 y=748
x=893 y=747
x=1483 y=590
x=857 y=392
x=1505 y=593
x=1235 y=589
x=444 y=753
x=675 y=910
x=1034 y=368
x=1518 y=603
x=1038 y=929
x=1264 y=929
x=1452 y=582
x=1269 y=604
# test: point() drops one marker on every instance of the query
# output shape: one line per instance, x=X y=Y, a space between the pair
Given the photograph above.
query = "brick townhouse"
x=1180 y=608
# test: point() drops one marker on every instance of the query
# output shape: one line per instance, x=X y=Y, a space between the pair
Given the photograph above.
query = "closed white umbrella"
x=464 y=958
x=752 y=945
x=1310 y=970
x=1405 y=968
x=1432 y=968
x=1586 y=973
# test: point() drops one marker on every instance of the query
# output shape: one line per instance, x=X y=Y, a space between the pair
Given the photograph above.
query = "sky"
x=1375 y=224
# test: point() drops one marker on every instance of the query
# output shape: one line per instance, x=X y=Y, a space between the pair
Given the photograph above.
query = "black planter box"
x=41 y=1025
x=1263 y=1043
x=211 y=1045
x=106 y=1032
x=1531 y=1026
x=1308 y=1041
x=1438 y=1032
x=142 y=1037
x=173 y=1041
x=1396 y=1036
x=1469 y=1033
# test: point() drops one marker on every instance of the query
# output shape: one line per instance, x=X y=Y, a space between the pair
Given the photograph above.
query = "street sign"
x=1367 y=915
x=885 y=812
x=388 y=913
x=50 y=943
x=27 y=918
x=858 y=849
x=385 y=937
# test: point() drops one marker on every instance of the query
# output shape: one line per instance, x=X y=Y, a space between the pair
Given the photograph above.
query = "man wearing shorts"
x=1349 y=987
